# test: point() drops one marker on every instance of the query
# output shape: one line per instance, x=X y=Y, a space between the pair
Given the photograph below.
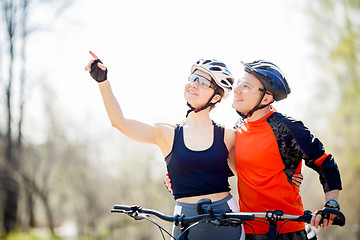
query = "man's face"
x=247 y=93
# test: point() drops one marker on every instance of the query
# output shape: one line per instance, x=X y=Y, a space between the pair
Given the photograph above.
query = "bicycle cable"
x=189 y=227
x=161 y=229
x=253 y=230
x=278 y=231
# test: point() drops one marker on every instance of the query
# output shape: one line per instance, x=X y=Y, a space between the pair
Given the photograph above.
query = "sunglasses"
x=248 y=87
x=201 y=81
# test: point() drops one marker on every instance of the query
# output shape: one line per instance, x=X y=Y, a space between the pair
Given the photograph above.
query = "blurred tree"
x=336 y=33
x=14 y=27
x=140 y=182
x=61 y=180
x=11 y=12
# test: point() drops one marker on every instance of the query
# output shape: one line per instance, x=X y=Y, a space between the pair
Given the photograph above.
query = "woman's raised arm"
x=136 y=130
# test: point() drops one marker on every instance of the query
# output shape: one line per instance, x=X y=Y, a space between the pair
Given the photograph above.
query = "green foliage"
x=29 y=235
x=337 y=39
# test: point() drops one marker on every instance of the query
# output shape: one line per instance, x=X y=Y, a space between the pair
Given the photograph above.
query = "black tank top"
x=195 y=173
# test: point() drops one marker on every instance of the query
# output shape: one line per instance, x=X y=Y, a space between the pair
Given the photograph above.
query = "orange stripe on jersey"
x=320 y=160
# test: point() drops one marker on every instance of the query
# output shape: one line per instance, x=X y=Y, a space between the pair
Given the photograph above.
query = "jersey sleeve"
x=315 y=157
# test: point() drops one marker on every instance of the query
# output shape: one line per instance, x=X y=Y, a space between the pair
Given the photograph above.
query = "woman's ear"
x=216 y=98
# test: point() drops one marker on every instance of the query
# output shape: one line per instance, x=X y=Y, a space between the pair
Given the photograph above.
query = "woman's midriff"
x=213 y=197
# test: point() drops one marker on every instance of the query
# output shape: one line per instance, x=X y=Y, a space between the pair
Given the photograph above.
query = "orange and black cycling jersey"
x=267 y=153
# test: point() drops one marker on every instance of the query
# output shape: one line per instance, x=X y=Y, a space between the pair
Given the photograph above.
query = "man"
x=270 y=148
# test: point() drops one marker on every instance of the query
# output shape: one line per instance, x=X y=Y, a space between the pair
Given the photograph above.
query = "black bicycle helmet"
x=273 y=80
x=270 y=76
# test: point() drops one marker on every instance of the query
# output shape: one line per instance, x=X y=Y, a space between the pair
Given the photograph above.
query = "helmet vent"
x=225 y=83
x=218 y=64
x=231 y=80
x=215 y=69
x=206 y=61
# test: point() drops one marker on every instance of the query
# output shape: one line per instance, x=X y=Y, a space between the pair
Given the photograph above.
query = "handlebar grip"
x=126 y=208
x=122 y=207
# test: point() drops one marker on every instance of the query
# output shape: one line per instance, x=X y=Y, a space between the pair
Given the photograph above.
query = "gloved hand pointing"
x=96 y=69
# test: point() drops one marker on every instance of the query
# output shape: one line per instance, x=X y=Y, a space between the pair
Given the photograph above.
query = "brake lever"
x=137 y=216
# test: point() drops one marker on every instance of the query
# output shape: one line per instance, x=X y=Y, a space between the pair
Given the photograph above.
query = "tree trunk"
x=30 y=207
x=11 y=186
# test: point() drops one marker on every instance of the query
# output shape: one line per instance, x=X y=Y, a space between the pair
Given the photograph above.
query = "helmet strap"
x=249 y=114
x=196 y=110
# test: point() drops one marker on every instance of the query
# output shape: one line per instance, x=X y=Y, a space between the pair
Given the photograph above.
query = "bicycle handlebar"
x=339 y=218
x=135 y=212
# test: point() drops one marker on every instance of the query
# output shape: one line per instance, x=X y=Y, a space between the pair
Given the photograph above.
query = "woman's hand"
x=297 y=179
x=96 y=68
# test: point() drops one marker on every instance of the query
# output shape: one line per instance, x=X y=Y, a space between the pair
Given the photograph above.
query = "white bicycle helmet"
x=218 y=71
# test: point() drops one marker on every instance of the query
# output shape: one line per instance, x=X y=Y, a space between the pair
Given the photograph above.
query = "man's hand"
x=331 y=203
x=316 y=218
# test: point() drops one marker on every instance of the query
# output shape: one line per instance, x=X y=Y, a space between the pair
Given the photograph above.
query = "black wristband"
x=97 y=73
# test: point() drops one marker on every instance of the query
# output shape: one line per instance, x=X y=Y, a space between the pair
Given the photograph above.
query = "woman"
x=195 y=151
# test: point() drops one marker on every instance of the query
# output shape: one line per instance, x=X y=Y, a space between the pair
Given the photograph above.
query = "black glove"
x=97 y=73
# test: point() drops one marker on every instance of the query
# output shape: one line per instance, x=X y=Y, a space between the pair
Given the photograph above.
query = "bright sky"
x=149 y=47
